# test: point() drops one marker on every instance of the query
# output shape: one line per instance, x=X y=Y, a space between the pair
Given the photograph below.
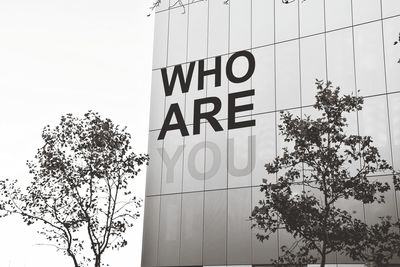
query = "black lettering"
x=209 y=116
x=216 y=71
x=180 y=125
x=250 y=70
x=233 y=109
x=177 y=72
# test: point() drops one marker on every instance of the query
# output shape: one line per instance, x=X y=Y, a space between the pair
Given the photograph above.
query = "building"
x=202 y=187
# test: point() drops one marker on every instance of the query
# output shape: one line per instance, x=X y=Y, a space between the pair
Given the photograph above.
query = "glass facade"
x=202 y=187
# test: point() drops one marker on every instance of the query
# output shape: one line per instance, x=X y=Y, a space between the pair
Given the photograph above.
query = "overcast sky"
x=69 y=56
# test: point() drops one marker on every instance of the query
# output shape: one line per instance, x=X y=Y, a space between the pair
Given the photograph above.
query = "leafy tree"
x=314 y=176
x=81 y=177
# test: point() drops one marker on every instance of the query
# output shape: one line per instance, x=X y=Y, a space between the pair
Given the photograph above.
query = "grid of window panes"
x=196 y=219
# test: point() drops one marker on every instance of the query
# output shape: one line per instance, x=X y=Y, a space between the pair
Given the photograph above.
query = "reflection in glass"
x=215 y=215
x=169 y=238
x=239 y=231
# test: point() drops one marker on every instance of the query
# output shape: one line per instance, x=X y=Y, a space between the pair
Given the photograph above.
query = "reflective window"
x=240 y=156
x=373 y=121
x=311 y=17
x=376 y=210
x=263 y=22
x=172 y=156
x=157 y=101
x=150 y=231
x=287 y=75
x=392 y=53
x=177 y=40
x=240 y=25
x=263 y=80
x=153 y=175
x=168 y=252
x=366 y=10
x=215 y=215
x=313 y=66
x=394 y=115
x=338 y=14
x=192 y=229
x=340 y=60
x=194 y=93
x=197 y=33
x=216 y=176
x=264 y=251
x=160 y=39
x=194 y=153
x=280 y=142
x=369 y=59
x=264 y=146
x=239 y=226
x=286 y=21
x=218 y=91
x=239 y=68
x=218 y=39
x=390 y=8
x=163 y=5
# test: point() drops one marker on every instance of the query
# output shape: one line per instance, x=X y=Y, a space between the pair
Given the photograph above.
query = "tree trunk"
x=97 y=262
x=72 y=255
x=323 y=255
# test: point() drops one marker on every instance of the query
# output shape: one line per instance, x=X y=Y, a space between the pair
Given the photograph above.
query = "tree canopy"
x=314 y=175
x=81 y=186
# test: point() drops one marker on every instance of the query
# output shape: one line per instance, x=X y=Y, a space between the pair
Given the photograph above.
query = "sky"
x=69 y=56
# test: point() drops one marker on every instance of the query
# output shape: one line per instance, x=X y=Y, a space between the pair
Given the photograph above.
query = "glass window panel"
x=264 y=80
x=338 y=14
x=160 y=39
x=375 y=210
x=194 y=153
x=220 y=92
x=313 y=66
x=264 y=146
x=150 y=231
x=172 y=155
x=153 y=176
x=373 y=121
x=239 y=68
x=240 y=25
x=263 y=22
x=163 y=5
x=218 y=40
x=281 y=144
x=197 y=34
x=369 y=59
x=311 y=17
x=286 y=21
x=192 y=229
x=194 y=94
x=394 y=115
x=216 y=157
x=392 y=53
x=177 y=40
x=287 y=75
x=263 y=252
x=157 y=101
x=239 y=226
x=215 y=217
x=390 y=8
x=240 y=156
x=177 y=95
x=170 y=216
x=340 y=60
x=179 y=4
x=366 y=10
